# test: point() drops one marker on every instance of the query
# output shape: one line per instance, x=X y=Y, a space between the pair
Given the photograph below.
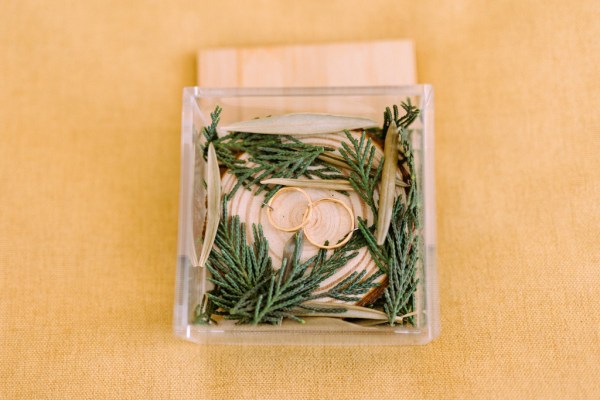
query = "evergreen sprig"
x=210 y=132
x=404 y=253
x=203 y=313
x=353 y=287
x=274 y=156
x=250 y=291
x=398 y=257
x=357 y=283
x=402 y=122
x=270 y=156
x=360 y=156
x=408 y=161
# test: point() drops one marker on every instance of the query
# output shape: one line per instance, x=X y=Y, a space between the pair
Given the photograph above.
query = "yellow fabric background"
x=90 y=101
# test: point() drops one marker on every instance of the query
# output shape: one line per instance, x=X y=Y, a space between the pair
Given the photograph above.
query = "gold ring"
x=305 y=217
x=346 y=239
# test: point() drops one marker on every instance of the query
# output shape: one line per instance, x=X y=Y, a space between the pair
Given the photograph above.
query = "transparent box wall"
x=245 y=104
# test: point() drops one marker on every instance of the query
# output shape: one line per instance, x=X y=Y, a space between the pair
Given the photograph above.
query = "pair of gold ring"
x=307 y=214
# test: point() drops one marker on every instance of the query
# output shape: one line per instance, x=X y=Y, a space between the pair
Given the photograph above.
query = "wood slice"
x=329 y=221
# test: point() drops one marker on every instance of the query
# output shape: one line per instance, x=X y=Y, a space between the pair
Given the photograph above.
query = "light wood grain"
x=373 y=63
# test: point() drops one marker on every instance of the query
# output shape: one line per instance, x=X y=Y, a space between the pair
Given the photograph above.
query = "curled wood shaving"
x=213 y=190
x=330 y=184
x=351 y=311
x=300 y=124
x=387 y=189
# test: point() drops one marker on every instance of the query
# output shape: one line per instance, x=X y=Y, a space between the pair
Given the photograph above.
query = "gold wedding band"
x=346 y=239
x=305 y=217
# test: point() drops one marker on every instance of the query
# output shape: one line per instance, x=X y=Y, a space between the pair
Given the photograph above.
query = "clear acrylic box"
x=192 y=282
